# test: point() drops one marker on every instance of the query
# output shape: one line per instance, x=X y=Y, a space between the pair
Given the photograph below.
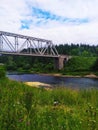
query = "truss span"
x=17 y=44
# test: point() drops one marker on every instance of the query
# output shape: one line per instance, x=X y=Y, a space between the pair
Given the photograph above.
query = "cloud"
x=63 y=21
x=39 y=13
x=68 y=8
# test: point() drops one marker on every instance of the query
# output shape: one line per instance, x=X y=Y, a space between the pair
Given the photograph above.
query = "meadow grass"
x=26 y=108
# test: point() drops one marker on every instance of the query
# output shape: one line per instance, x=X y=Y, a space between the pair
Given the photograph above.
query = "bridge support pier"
x=59 y=62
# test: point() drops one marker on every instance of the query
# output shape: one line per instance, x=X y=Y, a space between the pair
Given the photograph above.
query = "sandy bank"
x=39 y=85
x=72 y=76
x=91 y=76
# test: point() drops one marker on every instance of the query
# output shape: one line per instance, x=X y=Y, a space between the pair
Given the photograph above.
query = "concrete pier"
x=60 y=61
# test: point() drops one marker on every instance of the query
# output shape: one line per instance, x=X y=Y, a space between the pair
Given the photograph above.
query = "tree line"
x=78 y=49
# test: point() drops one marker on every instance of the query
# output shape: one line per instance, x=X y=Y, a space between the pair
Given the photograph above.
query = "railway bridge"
x=21 y=45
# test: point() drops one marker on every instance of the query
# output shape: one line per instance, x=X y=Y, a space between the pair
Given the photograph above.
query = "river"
x=73 y=82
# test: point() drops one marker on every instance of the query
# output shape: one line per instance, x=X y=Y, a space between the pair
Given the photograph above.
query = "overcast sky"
x=62 y=21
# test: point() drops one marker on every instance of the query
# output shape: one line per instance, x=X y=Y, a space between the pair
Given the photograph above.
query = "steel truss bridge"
x=17 y=44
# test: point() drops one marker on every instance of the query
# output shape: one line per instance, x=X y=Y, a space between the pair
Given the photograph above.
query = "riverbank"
x=39 y=85
x=71 y=76
x=23 y=107
x=89 y=75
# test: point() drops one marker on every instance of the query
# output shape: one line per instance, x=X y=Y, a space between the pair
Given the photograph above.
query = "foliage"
x=27 y=64
x=79 y=65
x=26 y=108
x=95 y=65
x=78 y=49
x=2 y=71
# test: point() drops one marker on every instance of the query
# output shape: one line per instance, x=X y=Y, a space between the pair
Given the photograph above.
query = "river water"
x=57 y=80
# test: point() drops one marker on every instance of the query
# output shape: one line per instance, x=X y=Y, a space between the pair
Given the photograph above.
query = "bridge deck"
x=28 y=54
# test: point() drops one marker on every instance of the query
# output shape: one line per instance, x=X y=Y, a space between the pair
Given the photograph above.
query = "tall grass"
x=26 y=108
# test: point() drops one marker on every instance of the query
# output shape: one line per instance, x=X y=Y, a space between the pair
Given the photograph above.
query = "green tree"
x=95 y=65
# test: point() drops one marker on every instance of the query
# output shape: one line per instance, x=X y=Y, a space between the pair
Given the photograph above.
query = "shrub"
x=2 y=71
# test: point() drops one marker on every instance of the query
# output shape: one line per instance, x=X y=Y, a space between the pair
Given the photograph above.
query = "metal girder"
x=34 y=46
x=22 y=36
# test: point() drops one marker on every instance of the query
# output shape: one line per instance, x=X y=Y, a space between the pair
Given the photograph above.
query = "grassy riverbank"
x=28 y=108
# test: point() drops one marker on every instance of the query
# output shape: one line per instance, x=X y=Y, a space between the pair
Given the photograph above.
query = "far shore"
x=60 y=75
x=91 y=75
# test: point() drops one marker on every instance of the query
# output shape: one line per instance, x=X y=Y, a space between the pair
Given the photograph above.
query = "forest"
x=78 y=49
x=84 y=61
